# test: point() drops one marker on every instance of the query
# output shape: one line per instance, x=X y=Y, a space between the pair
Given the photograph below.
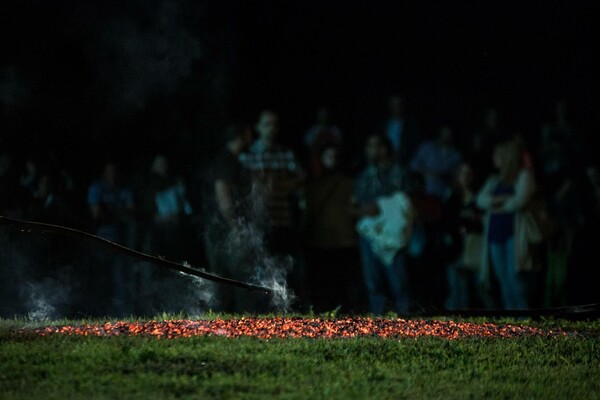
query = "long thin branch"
x=30 y=226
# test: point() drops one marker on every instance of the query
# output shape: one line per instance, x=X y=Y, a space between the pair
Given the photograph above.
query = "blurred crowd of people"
x=495 y=220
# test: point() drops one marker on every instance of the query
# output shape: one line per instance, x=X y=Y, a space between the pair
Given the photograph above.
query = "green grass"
x=246 y=368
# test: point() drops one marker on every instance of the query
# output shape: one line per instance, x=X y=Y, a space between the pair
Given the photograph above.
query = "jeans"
x=121 y=272
x=381 y=279
x=511 y=284
x=458 y=287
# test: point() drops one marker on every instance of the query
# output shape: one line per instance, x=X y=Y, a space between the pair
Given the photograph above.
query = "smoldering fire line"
x=42 y=228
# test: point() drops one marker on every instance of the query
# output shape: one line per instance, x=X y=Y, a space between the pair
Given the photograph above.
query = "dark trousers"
x=381 y=280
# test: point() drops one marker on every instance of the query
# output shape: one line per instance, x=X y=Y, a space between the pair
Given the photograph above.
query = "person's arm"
x=93 y=200
x=367 y=210
x=294 y=182
x=223 y=198
x=524 y=190
x=485 y=199
x=95 y=210
x=125 y=212
x=295 y=168
x=416 y=163
x=420 y=163
x=128 y=201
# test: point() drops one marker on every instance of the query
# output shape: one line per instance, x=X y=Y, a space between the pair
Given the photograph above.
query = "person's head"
x=160 y=165
x=378 y=149
x=330 y=157
x=491 y=119
x=476 y=142
x=238 y=138
x=592 y=174
x=560 y=111
x=464 y=177
x=267 y=127
x=508 y=159
x=397 y=106
x=109 y=173
x=445 y=136
x=44 y=186
x=323 y=116
x=30 y=166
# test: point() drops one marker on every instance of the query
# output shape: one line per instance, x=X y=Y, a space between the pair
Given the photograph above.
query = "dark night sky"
x=450 y=59
x=92 y=79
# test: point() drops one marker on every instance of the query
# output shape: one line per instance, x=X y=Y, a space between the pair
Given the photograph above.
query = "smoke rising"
x=272 y=272
x=245 y=244
x=140 y=57
x=44 y=299
x=202 y=295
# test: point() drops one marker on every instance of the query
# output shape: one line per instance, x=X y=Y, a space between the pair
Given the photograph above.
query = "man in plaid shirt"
x=275 y=172
x=276 y=178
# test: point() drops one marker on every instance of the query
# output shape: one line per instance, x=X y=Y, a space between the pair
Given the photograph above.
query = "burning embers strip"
x=268 y=328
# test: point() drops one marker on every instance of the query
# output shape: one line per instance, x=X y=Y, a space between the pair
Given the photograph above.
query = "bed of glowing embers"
x=281 y=327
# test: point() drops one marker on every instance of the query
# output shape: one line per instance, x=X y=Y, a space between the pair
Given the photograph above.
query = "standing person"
x=377 y=196
x=490 y=131
x=463 y=223
x=400 y=129
x=226 y=214
x=164 y=210
x=437 y=160
x=169 y=208
x=425 y=251
x=319 y=135
x=276 y=178
x=333 y=273
x=560 y=130
x=504 y=197
x=111 y=206
x=481 y=144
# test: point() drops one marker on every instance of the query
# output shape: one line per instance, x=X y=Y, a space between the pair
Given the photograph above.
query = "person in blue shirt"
x=111 y=207
x=437 y=160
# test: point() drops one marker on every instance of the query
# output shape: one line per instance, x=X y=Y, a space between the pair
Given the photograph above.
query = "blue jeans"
x=504 y=264
x=381 y=279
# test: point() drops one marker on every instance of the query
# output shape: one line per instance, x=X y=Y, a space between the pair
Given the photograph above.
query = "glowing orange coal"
x=268 y=328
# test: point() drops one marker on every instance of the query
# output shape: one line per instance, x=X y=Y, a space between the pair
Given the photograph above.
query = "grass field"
x=215 y=367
